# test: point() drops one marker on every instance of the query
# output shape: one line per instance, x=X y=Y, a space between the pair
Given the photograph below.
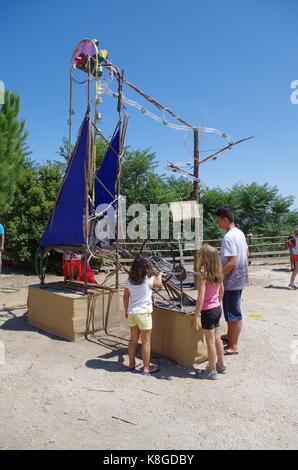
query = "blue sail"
x=66 y=223
x=106 y=177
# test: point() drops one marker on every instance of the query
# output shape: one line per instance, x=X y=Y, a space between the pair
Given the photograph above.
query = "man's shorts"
x=231 y=305
x=142 y=320
x=210 y=318
x=295 y=257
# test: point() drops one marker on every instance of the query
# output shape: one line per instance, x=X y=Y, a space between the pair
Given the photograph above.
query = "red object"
x=79 y=60
x=68 y=270
x=291 y=245
x=90 y=275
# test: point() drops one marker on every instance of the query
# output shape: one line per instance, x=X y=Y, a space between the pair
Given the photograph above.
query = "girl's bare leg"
x=294 y=273
x=146 y=352
x=210 y=340
x=132 y=345
x=219 y=348
x=146 y=348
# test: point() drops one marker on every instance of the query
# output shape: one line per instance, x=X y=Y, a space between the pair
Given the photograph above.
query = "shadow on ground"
x=113 y=361
x=271 y=286
x=282 y=270
x=19 y=323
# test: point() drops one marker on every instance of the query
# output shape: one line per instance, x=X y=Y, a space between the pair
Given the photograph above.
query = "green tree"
x=27 y=216
x=141 y=183
x=13 y=148
x=259 y=209
x=101 y=147
x=180 y=188
x=138 y=176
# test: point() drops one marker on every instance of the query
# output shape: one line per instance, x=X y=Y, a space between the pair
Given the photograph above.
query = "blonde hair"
x=210 y=265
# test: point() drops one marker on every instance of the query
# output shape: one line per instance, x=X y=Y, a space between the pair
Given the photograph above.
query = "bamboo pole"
x=87 y=187
x=196 y=197
x=119 y=109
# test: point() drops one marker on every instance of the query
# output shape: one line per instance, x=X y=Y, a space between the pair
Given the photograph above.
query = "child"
x=208 y=307
x=294 y=245
x=290 y=243
x=138 y=308
x=73 y=267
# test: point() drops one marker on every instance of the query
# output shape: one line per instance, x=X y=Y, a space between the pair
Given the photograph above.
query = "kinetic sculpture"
x=84 y=191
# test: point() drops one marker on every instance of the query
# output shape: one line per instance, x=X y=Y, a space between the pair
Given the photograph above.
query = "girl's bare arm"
x=157 y=283
x=200 y=299
x=221 y=292
x=126 y=301
x=199 y=303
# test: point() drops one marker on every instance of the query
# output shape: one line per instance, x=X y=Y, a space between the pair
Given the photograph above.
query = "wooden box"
x=174 y=337
x=67 y=312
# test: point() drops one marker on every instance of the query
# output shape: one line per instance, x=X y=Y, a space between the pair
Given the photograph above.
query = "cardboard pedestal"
x=174 y=337
x=68 y=313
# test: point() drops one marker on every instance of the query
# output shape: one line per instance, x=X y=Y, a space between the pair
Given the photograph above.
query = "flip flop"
x=227 y=353
x=133 y=369
x=150 y=373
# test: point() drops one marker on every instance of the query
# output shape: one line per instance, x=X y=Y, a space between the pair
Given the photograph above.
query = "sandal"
x=133 y=369
x=220 y=369
x=230 y=353
x=153 y=370
x=206 y=374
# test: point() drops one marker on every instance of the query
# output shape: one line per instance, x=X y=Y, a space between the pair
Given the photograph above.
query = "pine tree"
x=13 y=149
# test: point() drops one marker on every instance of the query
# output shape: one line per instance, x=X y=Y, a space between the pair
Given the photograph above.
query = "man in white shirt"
x=234 y=258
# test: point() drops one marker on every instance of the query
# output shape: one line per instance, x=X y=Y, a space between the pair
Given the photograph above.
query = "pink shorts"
x=295 y=258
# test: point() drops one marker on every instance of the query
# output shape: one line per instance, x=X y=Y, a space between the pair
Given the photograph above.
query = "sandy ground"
x=57 y=394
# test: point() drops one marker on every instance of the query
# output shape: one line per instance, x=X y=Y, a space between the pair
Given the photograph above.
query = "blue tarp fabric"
x=107 y=174
x=66 y=223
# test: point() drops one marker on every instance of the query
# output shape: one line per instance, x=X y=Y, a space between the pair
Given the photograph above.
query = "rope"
x=10 y=289
x=91 y=302
x=40 y=275
x=97 y=100
x=70 y=116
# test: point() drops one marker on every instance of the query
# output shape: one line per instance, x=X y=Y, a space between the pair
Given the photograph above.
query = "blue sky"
x=223 y=64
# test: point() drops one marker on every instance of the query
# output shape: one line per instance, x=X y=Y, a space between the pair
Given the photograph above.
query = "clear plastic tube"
x=164 y=121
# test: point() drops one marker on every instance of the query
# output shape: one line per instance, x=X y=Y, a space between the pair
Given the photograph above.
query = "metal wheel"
x=162 y=257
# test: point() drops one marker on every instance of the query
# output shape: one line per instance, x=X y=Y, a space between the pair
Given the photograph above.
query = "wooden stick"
x=116 y=71
x=148 y=391
x=157 y=104
x=124 y=420
x=225 y=148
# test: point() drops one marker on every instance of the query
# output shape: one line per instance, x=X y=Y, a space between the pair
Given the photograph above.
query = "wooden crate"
x=67 y=312
x=174 y=337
